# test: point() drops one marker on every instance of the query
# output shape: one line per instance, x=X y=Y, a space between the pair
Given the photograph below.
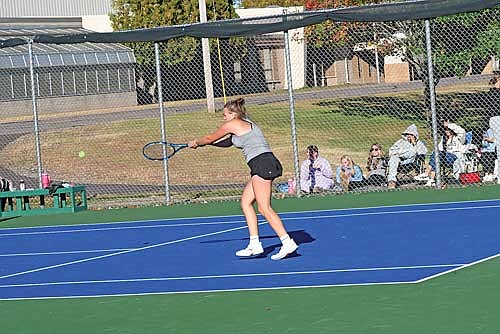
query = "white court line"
x=243 y=221
x=120 y=252
x=121 y=228
x=239 y=215
x=249 y=289
x=222 y=223
x=455 y=269
x=207 y=291
x=228 y=230
x=289 y=273
x=66 y=252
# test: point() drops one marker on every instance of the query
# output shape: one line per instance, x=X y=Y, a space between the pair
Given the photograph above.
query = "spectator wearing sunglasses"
x=315 y=172
x=376 y=166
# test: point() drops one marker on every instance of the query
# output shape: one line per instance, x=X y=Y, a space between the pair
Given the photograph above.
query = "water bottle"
x=22 y=186
x=45 y=180
x=291 y=186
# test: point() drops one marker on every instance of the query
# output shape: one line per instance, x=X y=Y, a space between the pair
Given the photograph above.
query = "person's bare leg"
x=254 y=245
x=428 y=170
x=262 y=190
x=246 y=203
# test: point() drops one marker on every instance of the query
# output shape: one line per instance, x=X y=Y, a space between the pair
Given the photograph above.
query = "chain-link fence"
x=350 y=93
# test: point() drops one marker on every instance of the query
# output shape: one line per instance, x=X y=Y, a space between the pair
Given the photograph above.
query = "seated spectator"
x=376 y=166
x=404 y=152
x=5 y=185
x=492 y=98
x=315 y=172
x=451 y=149
x=348 y=174
x=495 y=127
x=488 y=156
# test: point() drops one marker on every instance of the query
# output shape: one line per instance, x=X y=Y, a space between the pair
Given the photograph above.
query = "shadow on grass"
x=471 y=110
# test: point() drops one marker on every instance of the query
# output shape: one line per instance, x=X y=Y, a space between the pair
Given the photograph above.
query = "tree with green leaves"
x=138 y=14
x=478 y=34
x=461 y=43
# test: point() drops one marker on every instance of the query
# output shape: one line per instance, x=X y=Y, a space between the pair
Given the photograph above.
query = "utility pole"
x=207 y=67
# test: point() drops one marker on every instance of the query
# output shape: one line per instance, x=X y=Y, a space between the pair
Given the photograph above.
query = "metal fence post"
x=377 y=62
x=35 y=114
x=432 y=93
x=162 y=123
x=207 y=67
x=292 y=112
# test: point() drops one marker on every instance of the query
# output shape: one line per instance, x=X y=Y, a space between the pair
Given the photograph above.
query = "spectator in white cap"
x=403 y=152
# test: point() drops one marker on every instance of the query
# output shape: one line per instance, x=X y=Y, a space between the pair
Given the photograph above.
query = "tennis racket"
x=160 y=150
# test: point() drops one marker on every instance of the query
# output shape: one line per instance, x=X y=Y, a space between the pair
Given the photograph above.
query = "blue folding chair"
x=468 y=137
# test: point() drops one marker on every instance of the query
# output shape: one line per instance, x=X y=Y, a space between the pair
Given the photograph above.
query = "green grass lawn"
x=112 y=150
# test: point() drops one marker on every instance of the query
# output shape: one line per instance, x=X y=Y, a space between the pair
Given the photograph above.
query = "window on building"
x=57 y=83
x=14 y=85
x=5 y=83
x=80 y=75
x=267 y=56
x=69 y=81
x=237 y=72
x=359 y=67
x=43 y=82
x=496 y=63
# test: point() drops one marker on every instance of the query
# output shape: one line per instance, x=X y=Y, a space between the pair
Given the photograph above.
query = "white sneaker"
x=251 y=250
x=421 y=177
x=488 y=178
x=286 y=249
x=430 y=183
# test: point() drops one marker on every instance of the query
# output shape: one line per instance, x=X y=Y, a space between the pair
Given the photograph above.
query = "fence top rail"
x=394 y=11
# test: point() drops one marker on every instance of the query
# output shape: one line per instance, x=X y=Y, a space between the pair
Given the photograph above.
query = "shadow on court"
x=300 y=237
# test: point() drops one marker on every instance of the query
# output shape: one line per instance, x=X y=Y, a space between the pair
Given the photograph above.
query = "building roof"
x=54 y=8
x=46 y=55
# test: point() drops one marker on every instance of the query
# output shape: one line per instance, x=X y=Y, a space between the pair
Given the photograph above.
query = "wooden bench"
x=33 y=202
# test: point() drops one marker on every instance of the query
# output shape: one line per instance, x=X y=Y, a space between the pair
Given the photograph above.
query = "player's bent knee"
x=265 y=210
x=244 y=205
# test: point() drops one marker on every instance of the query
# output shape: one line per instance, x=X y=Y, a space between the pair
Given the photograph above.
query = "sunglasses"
x=375 y=149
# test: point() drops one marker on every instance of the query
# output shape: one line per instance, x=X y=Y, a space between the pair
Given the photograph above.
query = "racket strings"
x=159 y=151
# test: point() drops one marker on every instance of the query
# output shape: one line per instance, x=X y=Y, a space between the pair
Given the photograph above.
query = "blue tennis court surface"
x=383 y=245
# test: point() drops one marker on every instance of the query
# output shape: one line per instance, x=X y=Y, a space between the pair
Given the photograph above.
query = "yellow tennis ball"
x=81 y=154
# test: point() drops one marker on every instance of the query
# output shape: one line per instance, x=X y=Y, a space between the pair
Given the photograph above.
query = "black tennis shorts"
x=265 y=165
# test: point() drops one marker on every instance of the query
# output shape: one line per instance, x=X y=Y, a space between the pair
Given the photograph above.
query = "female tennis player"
x=239 y=131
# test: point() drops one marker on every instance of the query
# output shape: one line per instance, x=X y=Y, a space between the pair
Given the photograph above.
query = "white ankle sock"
x=254 y=239
x=284 y=239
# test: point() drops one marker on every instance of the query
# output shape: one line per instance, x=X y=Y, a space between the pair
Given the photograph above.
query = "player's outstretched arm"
x=222 y=131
